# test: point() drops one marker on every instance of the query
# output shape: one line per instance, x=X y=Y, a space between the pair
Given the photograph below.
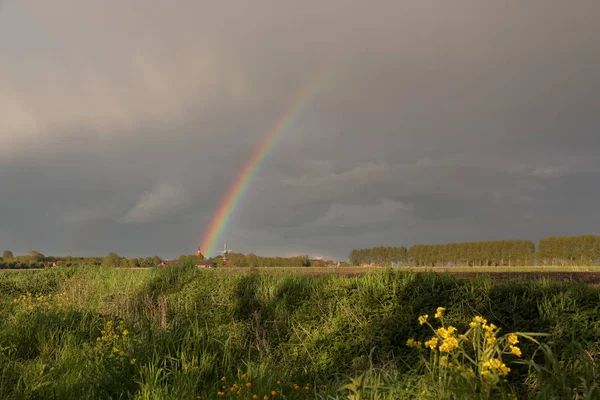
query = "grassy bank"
x=182 y=333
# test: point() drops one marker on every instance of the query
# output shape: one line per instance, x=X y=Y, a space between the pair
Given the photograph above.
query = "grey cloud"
x=162 y=201
x=441 y=122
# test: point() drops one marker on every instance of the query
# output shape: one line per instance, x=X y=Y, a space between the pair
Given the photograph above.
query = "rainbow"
x=239 y=187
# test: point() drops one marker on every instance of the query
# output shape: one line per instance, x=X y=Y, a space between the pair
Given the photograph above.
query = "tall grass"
x=176 y=332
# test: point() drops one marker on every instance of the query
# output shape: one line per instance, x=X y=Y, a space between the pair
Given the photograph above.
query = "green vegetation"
x=581 y=250
x=36 y=260
x=179 y=332
x=574 y=250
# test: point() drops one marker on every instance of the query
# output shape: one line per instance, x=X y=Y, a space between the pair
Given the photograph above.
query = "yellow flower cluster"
x=439 y=313
x=445 y=337
x=477 y=352
x=115 y=342
x=244 y=388
x=432 y=343
x=39 y=302
x=494 y=366
x=413 y=343
x=449 y=345
x=515 y=350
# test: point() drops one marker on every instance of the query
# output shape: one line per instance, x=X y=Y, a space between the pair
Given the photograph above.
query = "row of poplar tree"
x=571 y=250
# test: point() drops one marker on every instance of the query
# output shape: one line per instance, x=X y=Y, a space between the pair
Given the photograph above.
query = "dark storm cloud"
x=123 y=124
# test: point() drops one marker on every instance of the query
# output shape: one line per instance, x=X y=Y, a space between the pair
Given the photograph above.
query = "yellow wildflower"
x=477 y=320
x=515 y=350
x=296 y=386
x=512 y=339
x=423 y=319
x=496 y=365
x=432 y=343
x=444 y=361
x=491 y=340
x=223 y=379
x=446 y=332
x=132 y=362
x=254 y=396
x=248 y=384
x=220 y=393
x=273 y=393
x=243 y=376
x=413 y=343
x=449 y=345
x=266 y=397
x=439 y=312
x=125 y=332
x=504 y=370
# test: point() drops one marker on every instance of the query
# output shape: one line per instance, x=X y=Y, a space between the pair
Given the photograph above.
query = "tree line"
x=571 y=250
x=562 y=250
x=35 y=259
x=252 y=260
x=379 y=255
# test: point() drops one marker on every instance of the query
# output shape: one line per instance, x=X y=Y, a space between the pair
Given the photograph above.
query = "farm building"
x=206 y=264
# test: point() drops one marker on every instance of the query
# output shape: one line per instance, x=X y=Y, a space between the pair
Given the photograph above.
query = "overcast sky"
x=123 y=123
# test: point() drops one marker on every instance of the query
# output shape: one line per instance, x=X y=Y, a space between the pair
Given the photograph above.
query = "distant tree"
x=354 y=257
x=305 y=261
x=112 y=260
x=36 y=256
x=7 y=255
x=133 y=263
x=156 y=260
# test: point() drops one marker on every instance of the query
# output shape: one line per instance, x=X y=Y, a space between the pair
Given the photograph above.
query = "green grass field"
x=184 y=333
